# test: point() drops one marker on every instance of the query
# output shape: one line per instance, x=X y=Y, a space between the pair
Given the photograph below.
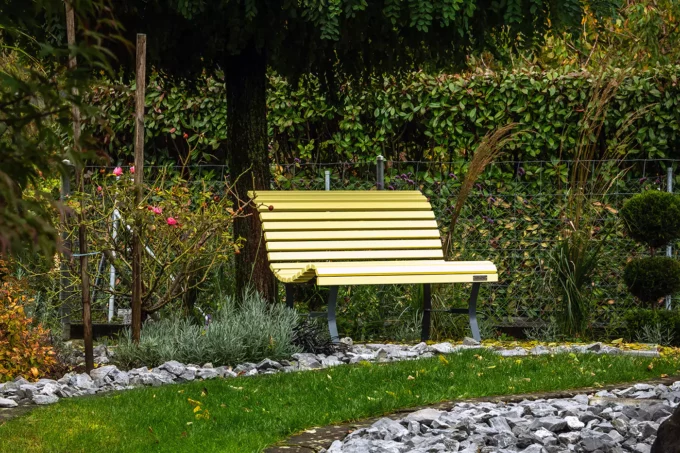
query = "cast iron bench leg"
x=289 y=295
x=427 y=307
x=472 y=309
x=332 y=326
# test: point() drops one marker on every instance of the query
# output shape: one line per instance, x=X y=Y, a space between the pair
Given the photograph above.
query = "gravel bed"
x=625 y=420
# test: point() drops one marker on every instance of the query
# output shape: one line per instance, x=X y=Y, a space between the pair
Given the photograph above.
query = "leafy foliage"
x=649 y=279
x=652 y=217
x=25 y=349
x=407 y=117
x=354 y=36
x=242 y=330
x=37 y=95
x=185 y=227
x=653 y=326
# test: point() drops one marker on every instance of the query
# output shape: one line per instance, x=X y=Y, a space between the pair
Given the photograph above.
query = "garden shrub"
x=312 y=336
x=25 y=349
x=243 y=330
x=653 y=326
x=649 y=279
x=652 y=218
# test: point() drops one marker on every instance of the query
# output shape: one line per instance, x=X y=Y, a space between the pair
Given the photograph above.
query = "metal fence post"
x=327 y=179
x=669 y=248
x=64 y=284
x=380 y=172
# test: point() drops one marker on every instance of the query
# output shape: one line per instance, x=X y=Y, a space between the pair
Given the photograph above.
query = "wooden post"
x=82 y=228
x=139 y=179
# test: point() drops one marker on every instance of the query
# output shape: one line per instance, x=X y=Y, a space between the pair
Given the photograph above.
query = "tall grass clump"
x=245 y=330
x=577 y=255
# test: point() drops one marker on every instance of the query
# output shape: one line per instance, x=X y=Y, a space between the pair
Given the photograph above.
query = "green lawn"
x=247 y=414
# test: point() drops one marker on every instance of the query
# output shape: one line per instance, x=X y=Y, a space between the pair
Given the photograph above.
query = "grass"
x=247 y=414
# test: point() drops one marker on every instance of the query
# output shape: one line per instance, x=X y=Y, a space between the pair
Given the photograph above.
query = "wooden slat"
x=431 y=233
x=411 y=262
x=355 y=255
x=401 y=279
x=480 y=267
x=354 y=245
x=346 y=215
x=349 y=225
x=356 y=196
x=289 y=194
x=357 y=205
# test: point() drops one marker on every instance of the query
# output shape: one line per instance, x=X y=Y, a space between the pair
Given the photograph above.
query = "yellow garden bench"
x=362 y=238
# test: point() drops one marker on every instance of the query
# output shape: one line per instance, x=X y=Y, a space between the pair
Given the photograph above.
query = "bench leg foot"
x=289 y=295
x=427 y=307
x=332 y=326
x=472 y=310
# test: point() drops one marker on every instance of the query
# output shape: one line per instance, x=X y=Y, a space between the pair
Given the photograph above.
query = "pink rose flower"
x=157 y=210
x=132 y=169
x=171 y=221
x=117 y=171
x=99 y=188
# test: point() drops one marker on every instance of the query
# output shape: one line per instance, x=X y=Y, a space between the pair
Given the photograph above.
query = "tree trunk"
x=248 y=159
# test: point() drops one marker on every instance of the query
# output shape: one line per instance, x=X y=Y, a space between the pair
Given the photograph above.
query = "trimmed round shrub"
x=652 y=218
x=650 y=279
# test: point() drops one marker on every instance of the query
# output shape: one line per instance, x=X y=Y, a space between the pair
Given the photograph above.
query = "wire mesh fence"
x=514 y=217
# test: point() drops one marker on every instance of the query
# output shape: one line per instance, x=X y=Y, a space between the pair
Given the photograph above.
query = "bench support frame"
x=471 y=311
x=330 y=314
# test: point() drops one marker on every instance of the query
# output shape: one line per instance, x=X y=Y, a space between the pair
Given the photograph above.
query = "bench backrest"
x=312 y=226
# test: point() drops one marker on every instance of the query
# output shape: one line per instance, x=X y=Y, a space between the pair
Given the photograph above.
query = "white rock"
x=6 y=402
x=574 y=423
x=44 y=400
x=443 y=348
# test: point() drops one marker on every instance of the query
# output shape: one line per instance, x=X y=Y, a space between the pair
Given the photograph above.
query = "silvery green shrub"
x=245 y=330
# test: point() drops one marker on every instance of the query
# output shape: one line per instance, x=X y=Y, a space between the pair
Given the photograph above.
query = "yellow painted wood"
x=432 y=233
x=399 y=279
x=357 y=196
x=349 y=225
x=355 y=245
x=355 y=255
x=358 y=238
x=453 y=269
x=313 y=264
x=346 y=215
x=346 y=206
x=290 y=194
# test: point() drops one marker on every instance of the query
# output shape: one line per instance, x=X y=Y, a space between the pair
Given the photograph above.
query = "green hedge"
x=415 y=116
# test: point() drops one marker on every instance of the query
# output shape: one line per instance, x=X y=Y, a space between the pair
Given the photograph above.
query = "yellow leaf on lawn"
x=197 y=408
x=443 y=360
x=664 y=376
x=410 y=378
x=650 y=367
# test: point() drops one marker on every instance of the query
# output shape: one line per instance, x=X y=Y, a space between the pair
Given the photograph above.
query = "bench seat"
x=361 y=238
x=388 y=272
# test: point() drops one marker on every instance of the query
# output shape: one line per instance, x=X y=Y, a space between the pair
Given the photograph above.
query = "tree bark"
x=248 y=160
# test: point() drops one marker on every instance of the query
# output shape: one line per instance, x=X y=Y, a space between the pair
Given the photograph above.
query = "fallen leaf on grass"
x=410 y=378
